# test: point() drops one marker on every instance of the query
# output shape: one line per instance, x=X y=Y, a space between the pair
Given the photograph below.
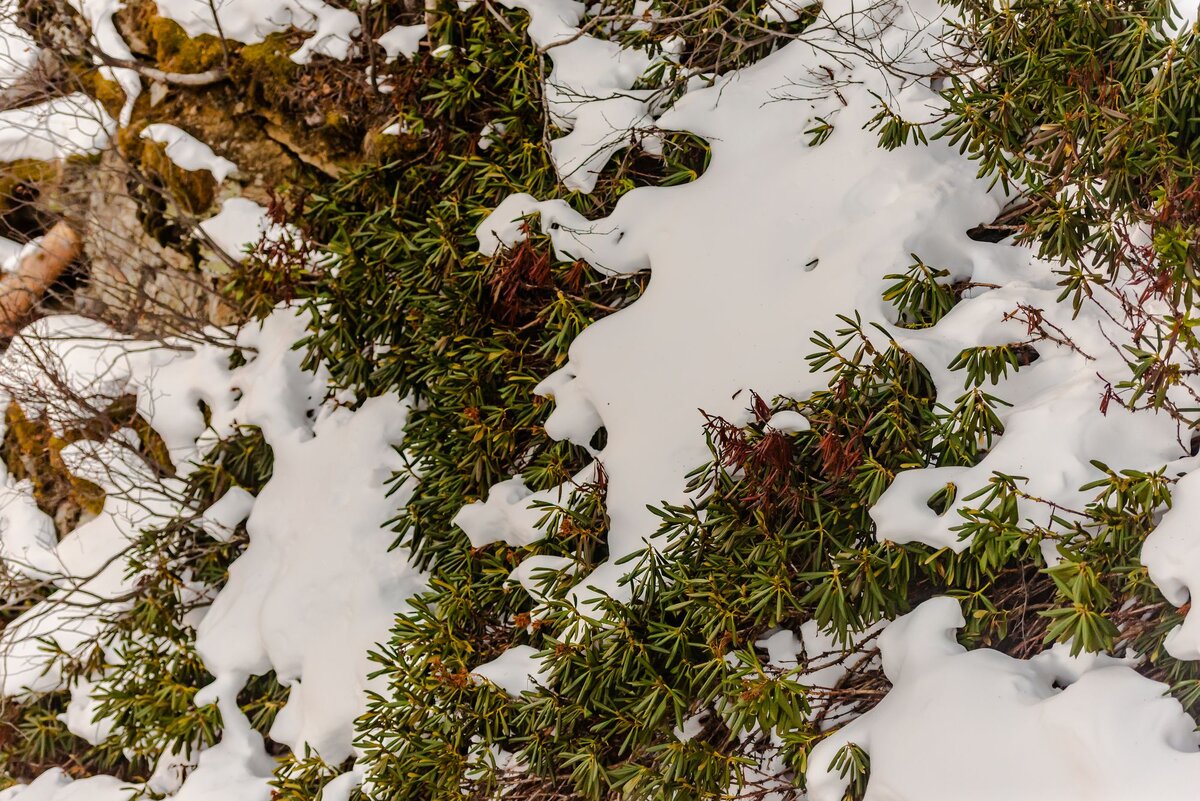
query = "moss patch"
x=33 y=451
x=165 y=41
x=192 y=191
x=266 y=70
x=109 y=93
x=175 y=51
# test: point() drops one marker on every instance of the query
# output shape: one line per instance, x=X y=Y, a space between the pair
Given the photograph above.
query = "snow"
x=826 y=661
x=13 y=253
x=732 y=246
x=99 y=16
x=10 y=254
x=82 y=717
x=489 y=132
x=18 y=52
x=56 y=785
x=955 y=716
x=789 y=422
x=220 y=519
x=589 y=92
x=237 y=768
x=534 y=571
x=27 y=536
x=782 y=647
x=319 y=557
x=511 y=512
x=84 y=570
x=239 y=225
x=517 y=670
x=504 y=226
x=731 y=303
x=63 y=368
x=783 y=10
x=252 y=21
x=90 y=574
x=813 y=658
x=859 y=212
x=1172 y=555
x=1054 y=427
x=1185 y=17
x=403 y=40
x=691 y=728
x=316 y=588
x=340 y=788
x=74 y=125
x=187 y=152
x=271 y=391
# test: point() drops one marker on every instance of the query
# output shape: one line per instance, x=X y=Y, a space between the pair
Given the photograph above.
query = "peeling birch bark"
x=24 y=287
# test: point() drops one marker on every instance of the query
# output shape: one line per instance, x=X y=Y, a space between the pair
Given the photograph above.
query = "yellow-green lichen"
x=382 y=148
x=109 y=93
x=33 y=451
x=175 y=51
x=266 y=68
x=192 y=191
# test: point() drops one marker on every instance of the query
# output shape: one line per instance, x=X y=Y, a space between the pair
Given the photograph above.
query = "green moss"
x=382 y=148
x=266 y=68
x=324 y=108
x=165 y=41
x=109 y=93
x=192 y=191
x=175 y=51
x=33 y=451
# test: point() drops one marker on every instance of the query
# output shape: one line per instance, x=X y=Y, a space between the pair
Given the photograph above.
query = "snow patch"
x=75 y=125
x=18 y=52
x=953 y=716
x=1172 y=555
x=316 y=588
x=517 y=670
x=188 y=152
x=99 y=16
x=403 y=40
x=238 y=226
x=251 y=21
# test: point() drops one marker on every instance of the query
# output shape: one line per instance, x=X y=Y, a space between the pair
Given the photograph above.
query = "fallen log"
x=40 y=267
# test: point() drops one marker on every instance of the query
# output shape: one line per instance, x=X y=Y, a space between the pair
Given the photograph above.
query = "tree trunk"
x=20 y=290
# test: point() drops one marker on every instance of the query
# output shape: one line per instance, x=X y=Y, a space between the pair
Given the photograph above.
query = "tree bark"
x=24 y=287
